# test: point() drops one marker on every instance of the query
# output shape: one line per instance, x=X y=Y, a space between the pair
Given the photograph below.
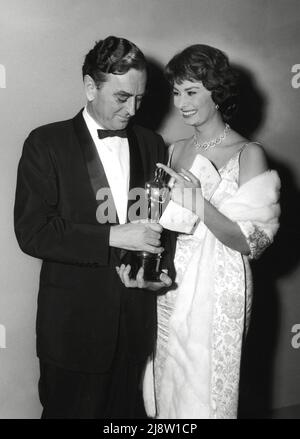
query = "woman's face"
x=194 y=102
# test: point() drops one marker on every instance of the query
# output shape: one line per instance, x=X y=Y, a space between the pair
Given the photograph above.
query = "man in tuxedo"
x=93 y=334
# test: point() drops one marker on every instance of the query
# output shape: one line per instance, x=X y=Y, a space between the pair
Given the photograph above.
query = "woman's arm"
x=225 y=230
x=252 y=162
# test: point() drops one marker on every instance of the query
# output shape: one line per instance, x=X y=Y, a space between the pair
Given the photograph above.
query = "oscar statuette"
x=156 y=193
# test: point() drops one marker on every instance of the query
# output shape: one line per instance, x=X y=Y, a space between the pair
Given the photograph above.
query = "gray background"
x=42 y=45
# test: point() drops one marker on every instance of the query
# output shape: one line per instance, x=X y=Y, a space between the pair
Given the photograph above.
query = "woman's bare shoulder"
x=253 y=151
x=250 y=149
x=176 y=150
x=178 y=145
x=182 y=142
x=253 y=161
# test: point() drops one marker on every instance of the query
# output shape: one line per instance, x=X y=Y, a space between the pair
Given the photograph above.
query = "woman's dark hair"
x=210 y=66
x=112 y=55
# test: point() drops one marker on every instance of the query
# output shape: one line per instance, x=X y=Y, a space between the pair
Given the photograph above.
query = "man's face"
x=118 y=99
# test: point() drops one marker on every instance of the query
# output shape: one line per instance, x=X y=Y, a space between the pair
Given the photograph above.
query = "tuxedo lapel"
x=137 y=164
x=96 y=172
x=91 y=157
x=137 y=167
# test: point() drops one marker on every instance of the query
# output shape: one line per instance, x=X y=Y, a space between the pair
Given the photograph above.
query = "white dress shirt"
x=114 y=155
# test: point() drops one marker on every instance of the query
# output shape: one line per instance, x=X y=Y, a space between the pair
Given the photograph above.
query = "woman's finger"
x=185 y=177
x=171 y=182
x=190 y=176
x=170 y=172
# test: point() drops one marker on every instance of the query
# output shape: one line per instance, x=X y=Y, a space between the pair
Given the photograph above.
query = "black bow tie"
x=102 y=134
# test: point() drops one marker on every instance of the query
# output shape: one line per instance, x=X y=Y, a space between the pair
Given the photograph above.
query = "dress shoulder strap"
x=170 y=154
x=239 y=153
x=249 y=143
x=172 y=149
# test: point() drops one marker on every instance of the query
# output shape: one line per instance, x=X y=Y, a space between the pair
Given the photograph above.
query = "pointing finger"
x=171 y=172
x=190 y=176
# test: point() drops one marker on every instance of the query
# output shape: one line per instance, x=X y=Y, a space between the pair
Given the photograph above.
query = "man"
x=93 y=334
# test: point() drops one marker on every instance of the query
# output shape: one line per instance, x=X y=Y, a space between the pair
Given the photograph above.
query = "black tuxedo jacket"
x=80 y=293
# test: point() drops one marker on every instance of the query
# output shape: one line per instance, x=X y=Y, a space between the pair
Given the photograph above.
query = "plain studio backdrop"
x=42 y=47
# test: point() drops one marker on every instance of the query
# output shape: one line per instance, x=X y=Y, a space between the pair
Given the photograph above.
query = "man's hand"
x=139 y=282
x=137 y=236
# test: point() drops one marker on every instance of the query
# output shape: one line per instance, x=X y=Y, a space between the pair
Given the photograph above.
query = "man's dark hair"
x=210 y=66
x=112 y=55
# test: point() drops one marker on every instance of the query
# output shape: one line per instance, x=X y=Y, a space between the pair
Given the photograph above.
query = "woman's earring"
x=217 y=107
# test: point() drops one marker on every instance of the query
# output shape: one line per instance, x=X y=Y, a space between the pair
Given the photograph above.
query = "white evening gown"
x=202 y=322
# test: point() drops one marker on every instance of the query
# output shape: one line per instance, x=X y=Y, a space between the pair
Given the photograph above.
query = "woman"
x=202 y=322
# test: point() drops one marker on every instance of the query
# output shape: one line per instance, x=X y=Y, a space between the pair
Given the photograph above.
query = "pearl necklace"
x=214 y=142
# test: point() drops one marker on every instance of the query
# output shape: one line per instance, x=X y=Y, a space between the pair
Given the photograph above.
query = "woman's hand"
x=185 y=187
x=139 y=282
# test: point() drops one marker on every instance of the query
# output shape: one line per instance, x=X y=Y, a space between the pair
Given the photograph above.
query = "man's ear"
x=90 y=88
